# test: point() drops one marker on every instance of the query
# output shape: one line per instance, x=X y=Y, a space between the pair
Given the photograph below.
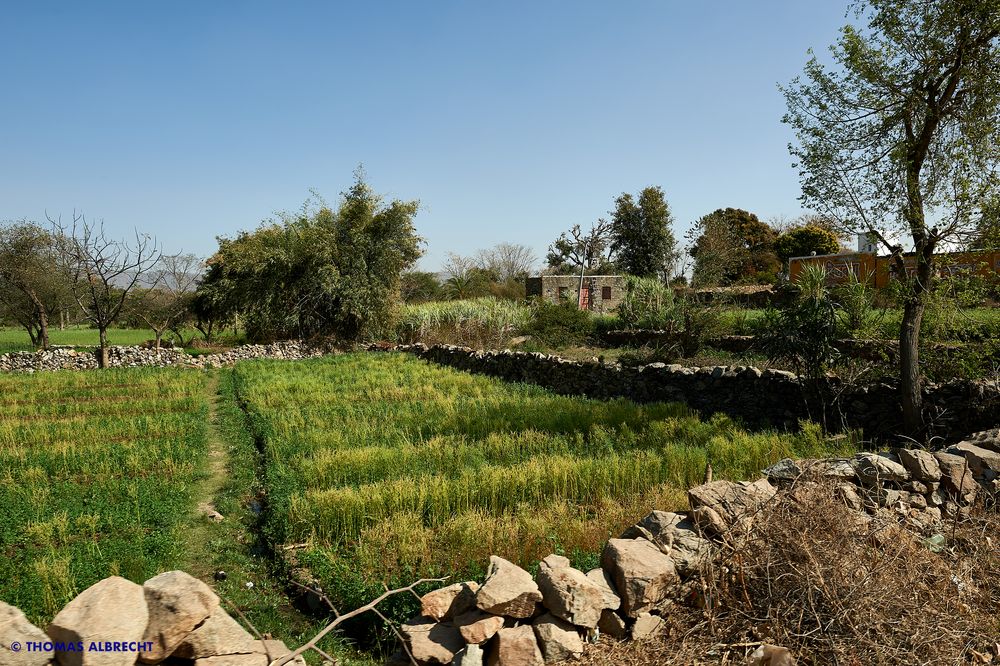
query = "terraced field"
x=96 y=476
x=384 y=468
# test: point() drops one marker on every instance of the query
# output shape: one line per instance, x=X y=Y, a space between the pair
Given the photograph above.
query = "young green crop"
x=382 y=467
x=96 y=474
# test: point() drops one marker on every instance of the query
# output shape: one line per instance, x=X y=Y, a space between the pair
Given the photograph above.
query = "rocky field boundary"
x=759 y=398
x=68 y=358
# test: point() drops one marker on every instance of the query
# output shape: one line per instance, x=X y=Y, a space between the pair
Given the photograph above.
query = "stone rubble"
x=171 y=616
x=551 y=618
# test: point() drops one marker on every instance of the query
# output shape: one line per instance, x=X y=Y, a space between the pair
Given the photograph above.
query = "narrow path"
x=205 y=525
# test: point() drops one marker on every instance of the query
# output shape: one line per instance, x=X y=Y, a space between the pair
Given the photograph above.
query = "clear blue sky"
x=510 y=121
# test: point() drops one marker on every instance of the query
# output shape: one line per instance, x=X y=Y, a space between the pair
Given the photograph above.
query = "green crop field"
x=385 y=468
x=96 y=476
x=16 y=339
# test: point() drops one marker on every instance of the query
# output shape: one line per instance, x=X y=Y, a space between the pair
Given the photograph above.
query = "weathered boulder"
x=600 y=578
x=447 y=602
x=470 y=655
x=15 y=628
x=641 y=573
x=478 y=627
x=612 y=624
x=432 y=642
x=921 y=465
x=509 y=590
x=788 y=469
x=677 y=535
x=646 y=626
x=272 y=649
x=987 y=439
x=876 y=468
x=177 y=603
x=731 y=501
x=956 y=476
x=515 y=646
x=984 y=463
x=557 y=639
x=569 y=594
x=113 y=609
x=220 y=634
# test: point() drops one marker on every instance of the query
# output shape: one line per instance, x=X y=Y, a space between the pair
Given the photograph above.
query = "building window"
x=563 y=293
x=606 y=293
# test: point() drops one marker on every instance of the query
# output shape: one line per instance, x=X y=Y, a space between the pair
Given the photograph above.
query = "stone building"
x=601 y=293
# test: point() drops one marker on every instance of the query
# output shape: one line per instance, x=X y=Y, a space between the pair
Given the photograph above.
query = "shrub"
x=561 y=325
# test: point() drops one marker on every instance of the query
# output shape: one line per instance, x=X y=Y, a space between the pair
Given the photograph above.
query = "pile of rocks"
x=921 y=486
x=68 y=358
x=116 y=622
x=515 y=619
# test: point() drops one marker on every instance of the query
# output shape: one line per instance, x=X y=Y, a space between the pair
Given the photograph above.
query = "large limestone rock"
x=557 y=639
x=509 y=590
x=675 y=534
x=113 y=609
x=788 y=469
x=478 y=627
x=177 y=602
x=515 y=646
x=264 y=653
x=432 y=642
x=612 y=624
x=730 y=502
x=987 y=439
x=646 y=626
x=956 y=476
x=569 y=594
x=219 y=635
x=984 y=463
x=15 y=628
x=921 y=465
x=642 y=574
x=600 y=578
x=875 y=468
x=447 y=602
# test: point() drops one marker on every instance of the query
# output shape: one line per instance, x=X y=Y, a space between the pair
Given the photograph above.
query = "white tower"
x=867 y=243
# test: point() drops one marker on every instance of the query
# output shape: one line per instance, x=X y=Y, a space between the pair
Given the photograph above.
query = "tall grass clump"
x=477 y=322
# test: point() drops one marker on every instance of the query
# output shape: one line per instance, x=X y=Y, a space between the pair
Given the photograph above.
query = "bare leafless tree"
x=163 y=296
x=102 y=271
x=507 y=261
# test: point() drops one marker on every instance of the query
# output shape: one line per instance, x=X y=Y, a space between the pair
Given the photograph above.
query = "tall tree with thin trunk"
x=642 y=236
x=164 y=297
x=102 y=271
x=901 y=138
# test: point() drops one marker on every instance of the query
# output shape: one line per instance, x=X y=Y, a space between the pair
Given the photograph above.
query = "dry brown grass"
x=837 y=588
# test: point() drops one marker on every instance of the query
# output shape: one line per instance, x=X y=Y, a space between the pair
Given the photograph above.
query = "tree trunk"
x=43 y=327
x=159 y=334
x=909 y=366
x=102 y=354
x=62 y=319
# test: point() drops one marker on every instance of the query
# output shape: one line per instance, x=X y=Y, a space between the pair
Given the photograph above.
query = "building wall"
x=604 y=292
x=880 y=270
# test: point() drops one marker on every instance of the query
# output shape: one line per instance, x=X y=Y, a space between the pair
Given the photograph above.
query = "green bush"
x=559 y=326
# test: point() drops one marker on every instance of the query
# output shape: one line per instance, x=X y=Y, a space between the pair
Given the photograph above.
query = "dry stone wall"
x=760 y=398
x=68 y=358
x=515 y=619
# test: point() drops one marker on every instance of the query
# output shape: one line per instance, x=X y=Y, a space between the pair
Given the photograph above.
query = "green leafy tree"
x=31 y=284
x=732 y=245
x=318 y=272
x=805 y=240
x=642 y=237
x=901 y=137
x=986 y=234
x=420 y=287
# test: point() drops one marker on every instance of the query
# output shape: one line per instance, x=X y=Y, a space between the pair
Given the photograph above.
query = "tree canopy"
x=642 y=237
x=805 y=240
x=732 y=245
x=902 y=137
x=317 y=272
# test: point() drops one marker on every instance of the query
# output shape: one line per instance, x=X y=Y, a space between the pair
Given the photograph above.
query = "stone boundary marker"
x=512 y=618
